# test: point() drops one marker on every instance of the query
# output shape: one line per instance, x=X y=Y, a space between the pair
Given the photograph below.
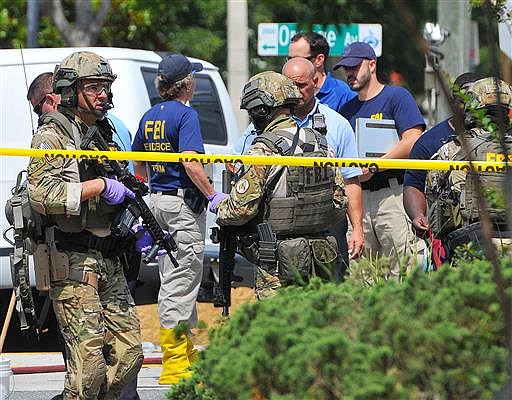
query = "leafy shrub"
x=433 y=336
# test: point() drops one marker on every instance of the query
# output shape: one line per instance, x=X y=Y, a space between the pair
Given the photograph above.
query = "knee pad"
x=129 y=365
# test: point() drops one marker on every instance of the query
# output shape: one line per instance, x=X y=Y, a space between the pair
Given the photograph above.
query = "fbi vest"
x=452 y=200
x=301 y=200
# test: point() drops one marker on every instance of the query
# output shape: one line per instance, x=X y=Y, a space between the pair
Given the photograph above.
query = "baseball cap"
x=355 y=54
x=175 y=67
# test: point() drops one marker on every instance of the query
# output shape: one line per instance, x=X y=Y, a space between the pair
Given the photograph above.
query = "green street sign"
x=274 y=38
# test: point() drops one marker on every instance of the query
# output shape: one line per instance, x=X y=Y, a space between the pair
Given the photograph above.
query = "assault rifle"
x=135 y=208
x=225 y=236
x=17 y=213
x=21 y=219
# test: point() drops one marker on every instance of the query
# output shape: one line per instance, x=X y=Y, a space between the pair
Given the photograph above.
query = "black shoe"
x=60 y=396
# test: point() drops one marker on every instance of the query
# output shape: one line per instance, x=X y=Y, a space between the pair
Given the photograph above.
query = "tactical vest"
x=452 y=201
x=301 y=200
x=94 y=213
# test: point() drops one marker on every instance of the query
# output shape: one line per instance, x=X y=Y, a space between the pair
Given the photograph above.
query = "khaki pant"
x=387 y=228
x=179 y=286
x=100 y=328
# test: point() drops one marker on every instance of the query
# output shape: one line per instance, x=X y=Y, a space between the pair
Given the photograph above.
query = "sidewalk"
x=40 y=385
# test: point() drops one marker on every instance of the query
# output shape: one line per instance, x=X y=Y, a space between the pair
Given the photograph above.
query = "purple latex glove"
x=144 y=241
x=215 y=199
x=115 y=192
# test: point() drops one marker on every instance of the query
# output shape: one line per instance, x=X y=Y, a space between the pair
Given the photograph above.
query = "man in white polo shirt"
x=340 y=138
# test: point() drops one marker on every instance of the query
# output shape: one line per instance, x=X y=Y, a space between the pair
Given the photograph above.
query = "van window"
x=149 y=75
x=205 y=101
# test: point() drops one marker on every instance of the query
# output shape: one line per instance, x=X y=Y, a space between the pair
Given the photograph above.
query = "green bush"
x=433 y=336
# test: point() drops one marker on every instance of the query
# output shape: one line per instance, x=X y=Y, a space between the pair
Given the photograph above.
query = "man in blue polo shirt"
x=424 y=149
x=387 y=229
x=329 y=91
x=340 y=138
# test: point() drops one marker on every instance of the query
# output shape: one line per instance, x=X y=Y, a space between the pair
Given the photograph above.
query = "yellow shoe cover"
x=175 y=359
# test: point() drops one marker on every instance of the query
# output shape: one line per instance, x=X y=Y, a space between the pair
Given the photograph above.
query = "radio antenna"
x=26 y=85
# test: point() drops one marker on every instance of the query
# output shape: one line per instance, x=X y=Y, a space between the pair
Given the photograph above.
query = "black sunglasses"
x=38 y=108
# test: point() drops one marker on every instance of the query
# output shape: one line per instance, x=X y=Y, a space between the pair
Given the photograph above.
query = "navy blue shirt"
x=334 y=93
x=424 y=148
x=393 y=102
x=172 y=127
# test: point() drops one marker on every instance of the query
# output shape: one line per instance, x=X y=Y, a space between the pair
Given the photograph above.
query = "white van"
x=134 y=93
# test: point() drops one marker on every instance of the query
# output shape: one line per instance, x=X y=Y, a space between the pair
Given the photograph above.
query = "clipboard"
x=375 y=137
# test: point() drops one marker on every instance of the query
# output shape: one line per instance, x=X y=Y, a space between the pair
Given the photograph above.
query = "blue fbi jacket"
x=170 y=126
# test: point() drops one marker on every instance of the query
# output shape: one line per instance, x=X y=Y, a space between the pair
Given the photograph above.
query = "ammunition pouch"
x=294 y=260
x=325 y=256
x=194 y=199
x=267 y=247
x=267 y=255
x=298 y=258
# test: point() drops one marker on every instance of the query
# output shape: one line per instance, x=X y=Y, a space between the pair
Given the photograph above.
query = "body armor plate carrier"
x=452 y=201
x=308 y=207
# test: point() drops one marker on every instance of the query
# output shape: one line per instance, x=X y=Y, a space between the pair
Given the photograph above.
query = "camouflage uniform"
x=93 y=306
x=244 y=202
x=452 y=201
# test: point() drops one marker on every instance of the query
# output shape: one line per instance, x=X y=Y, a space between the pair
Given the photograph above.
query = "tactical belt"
x=82 y=242
x=377 y=182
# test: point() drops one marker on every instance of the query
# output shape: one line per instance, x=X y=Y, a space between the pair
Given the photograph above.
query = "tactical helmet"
x=489 y=92
x=80 y=65
x=269 y=89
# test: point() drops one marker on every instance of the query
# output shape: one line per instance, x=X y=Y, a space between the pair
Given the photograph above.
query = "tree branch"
x=99 y=20
x=88 y=24
x=83 y=14
x=60 y=21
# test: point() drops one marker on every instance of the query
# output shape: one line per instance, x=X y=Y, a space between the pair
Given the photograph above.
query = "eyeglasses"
x=38 y=108
x=97 y=87
x=310 y=58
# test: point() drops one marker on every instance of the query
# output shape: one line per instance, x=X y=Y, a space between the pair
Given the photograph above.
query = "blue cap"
x=355 y=54
x=175 y=67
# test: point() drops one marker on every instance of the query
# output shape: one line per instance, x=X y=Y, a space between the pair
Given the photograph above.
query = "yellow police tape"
x=373 y=164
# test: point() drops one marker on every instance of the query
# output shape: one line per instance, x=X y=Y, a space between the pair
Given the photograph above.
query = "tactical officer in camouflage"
x=453 y=213
x=283 y=212
x=90 y=297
